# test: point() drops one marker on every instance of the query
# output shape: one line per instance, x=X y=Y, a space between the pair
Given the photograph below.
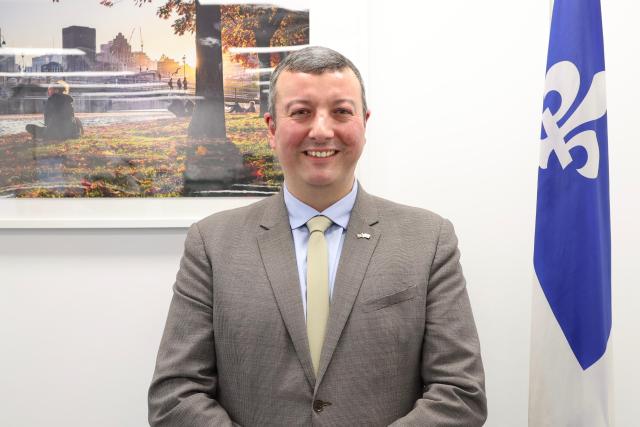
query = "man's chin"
x=329 y=185
x=321 y=182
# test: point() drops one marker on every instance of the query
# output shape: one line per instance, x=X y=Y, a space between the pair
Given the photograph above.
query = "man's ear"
x=366 y=117
x=271 y=127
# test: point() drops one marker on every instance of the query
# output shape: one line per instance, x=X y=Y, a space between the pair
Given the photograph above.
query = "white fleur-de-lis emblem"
x=564 y=78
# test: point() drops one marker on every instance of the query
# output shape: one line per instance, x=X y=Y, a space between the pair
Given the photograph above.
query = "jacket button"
x=318 y=405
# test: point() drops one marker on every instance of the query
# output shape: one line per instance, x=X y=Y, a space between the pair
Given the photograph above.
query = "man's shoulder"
x=237 y=218
x=412 y=226
x=391 y=211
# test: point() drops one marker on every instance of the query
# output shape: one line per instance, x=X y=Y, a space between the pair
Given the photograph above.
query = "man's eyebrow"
x=347 y=100
x=307 y=102
x=296 y=101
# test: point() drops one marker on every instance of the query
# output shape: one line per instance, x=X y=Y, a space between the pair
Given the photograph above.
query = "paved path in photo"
x=15 y=123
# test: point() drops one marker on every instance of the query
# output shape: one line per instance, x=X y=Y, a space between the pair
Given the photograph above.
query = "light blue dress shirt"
x=299 y=214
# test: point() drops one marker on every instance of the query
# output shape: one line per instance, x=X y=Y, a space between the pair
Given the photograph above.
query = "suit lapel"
x=354 y=260
x=278 y=254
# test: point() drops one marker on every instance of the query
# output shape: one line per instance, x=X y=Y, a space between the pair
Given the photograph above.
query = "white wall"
x=81 y=315
x=455 y=89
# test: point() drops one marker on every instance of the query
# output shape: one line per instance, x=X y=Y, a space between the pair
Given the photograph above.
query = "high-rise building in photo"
x=83 y=38
x=121 y=52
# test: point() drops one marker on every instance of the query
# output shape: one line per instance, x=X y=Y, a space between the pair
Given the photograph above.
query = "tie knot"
x=319 y=223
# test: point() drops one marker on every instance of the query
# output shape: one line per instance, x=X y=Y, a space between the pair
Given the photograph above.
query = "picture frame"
x=341 y=26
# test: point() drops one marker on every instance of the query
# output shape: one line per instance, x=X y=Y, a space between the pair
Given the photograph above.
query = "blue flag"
x=571 y=310
x=572 y=256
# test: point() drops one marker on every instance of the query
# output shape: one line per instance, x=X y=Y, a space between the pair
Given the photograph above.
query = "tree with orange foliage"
x=244 y=26
x=263 y=26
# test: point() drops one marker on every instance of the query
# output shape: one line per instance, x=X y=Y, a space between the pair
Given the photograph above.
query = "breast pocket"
x=393 y=298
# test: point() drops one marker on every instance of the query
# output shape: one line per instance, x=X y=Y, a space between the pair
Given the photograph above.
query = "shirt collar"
x=339 y=212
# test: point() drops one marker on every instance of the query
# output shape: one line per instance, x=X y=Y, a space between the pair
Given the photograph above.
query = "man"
x=60 y=122
x=368 y=323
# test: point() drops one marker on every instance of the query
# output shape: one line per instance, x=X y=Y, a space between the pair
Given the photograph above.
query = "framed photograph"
x=138 y=113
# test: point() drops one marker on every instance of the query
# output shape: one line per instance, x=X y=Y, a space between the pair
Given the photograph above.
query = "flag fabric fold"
x=571 y=310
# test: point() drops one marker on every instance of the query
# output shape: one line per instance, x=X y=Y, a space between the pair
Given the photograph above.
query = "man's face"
x=319 y=134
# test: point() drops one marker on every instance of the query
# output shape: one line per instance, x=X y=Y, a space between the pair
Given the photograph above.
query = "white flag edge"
x=560 y=392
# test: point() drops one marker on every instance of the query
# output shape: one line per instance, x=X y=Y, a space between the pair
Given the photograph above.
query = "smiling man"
x=320 y=131
x=322 y=305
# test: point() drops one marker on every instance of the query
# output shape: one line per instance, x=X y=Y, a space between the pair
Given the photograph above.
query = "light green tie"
x=317 y=286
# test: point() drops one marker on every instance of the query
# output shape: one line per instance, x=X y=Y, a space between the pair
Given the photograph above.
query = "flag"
x=571 y=312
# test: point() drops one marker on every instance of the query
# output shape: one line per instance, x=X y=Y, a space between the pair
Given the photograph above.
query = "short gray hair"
x=313 y=60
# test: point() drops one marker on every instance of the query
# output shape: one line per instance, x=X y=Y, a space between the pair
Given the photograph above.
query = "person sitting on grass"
x=59 y=118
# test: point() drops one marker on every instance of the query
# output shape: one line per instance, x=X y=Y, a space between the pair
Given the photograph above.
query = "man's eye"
x=301 y=112
x=344 y=111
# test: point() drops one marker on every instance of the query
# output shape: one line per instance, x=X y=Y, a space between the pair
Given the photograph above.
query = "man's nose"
x=321 y=127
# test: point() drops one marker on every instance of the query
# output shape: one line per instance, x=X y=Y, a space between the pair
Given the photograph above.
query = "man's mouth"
x=320 y=153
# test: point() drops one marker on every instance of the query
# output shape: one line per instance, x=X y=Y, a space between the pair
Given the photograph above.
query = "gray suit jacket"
x=401 y=345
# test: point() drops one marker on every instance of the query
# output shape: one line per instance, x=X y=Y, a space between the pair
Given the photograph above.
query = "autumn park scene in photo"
x=140 y=98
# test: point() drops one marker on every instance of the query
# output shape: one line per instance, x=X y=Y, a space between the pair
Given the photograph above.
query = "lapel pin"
x=363 y=236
